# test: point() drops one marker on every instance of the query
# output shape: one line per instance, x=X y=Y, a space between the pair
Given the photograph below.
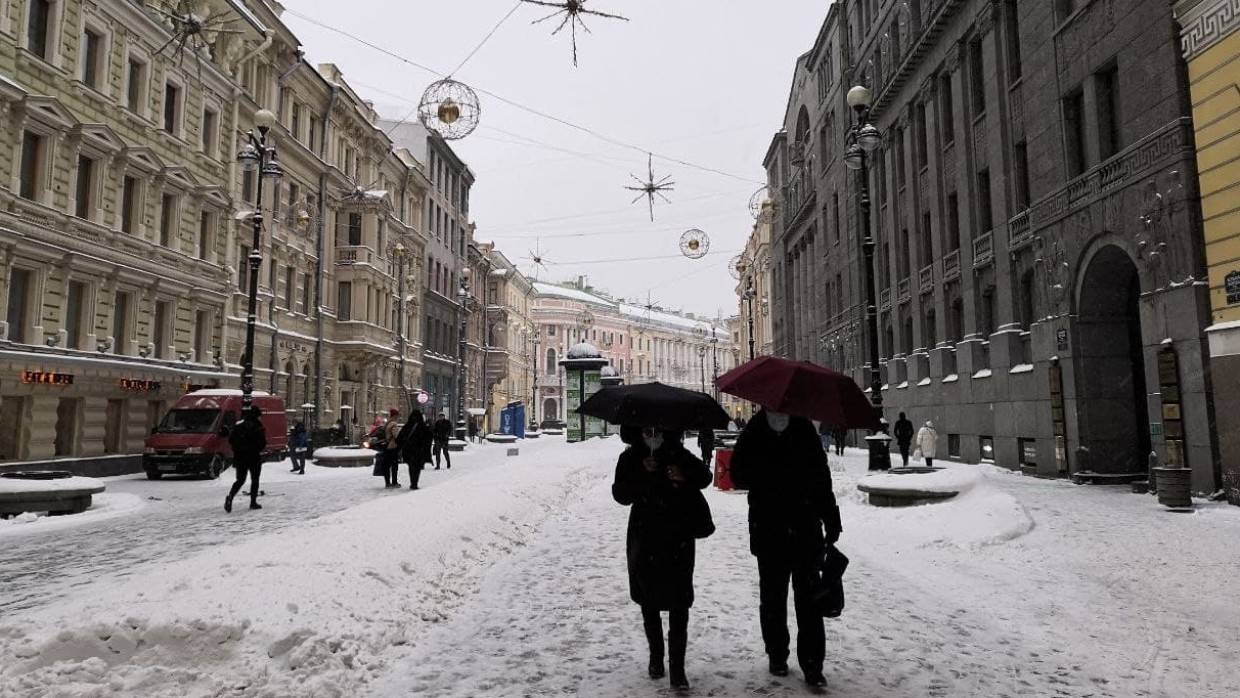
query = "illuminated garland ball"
x=736 y=267
x=694 y=244
x=755 y=202
x=450 y=108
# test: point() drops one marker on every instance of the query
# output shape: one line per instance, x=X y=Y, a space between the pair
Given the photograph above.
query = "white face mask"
x=653 y=443
x=777 y=421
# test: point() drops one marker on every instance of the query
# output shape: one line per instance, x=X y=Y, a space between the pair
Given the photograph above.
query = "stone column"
x=93 y=426
x=40 y=426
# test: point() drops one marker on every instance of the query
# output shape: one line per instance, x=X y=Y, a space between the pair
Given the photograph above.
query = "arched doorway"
x=551 y=410
x=1110 y=383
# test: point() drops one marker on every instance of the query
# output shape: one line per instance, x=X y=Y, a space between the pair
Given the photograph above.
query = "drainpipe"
x=320 y=242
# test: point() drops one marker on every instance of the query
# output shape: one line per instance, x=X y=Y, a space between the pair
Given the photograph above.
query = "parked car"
x=192 y=438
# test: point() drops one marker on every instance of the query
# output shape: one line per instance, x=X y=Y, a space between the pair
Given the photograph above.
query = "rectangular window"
x=953 y=222
x=21 y=286
x=355 y=229
x=247 y=187
x=985 y=217
x=900 y=158
x=38 y=24
x=172 y=108
x=977 y=78
x=927 y=244
x=210 y=131
x=1020 y=166
x=168 y=220
x=129 y=204
x=75 y=314
x=120 y=322
x=295 y=123
x=243 y=269
x=835 y=216
x=85 y=189
x=947 y=111
x=135 y=89
x=305 y=294
x=313 y=138
x=1106 y=89
x=159 y=334
x=290 y=286
x=1074 y=132
x=344 y=300
x=206 y=224
x=922 y=139
x=202 y=336
x=1011 y=22
x=92 y=55
x=32 y=165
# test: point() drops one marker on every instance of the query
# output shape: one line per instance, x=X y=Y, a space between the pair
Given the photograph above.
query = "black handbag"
x=701 y=523
x=828 y=594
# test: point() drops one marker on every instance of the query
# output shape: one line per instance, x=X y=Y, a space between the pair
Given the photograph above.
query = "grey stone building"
x=1039 y=257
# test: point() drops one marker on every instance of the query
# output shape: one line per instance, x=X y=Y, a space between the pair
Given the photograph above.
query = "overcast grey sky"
x=704 y=81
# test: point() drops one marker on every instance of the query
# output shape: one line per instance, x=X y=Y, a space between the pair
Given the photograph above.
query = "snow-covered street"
x=505 y=577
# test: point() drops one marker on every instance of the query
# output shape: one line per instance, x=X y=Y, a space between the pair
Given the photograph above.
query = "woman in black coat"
x=656 y=475
x=415 y=446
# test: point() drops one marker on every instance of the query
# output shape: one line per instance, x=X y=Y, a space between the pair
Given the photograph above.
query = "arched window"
x=551 y=362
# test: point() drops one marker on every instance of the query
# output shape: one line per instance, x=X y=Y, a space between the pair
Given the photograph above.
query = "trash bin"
x=723 y=469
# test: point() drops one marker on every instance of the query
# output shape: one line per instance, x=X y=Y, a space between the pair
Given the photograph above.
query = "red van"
x=193 y=437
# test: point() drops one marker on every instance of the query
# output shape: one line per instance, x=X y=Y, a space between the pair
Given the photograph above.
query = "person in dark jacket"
x=792 y=516
x=415 y=446
x=655 y=475
x=299 y=445
x=443 y=432
x=248 y=439
x=904 y=436
x=706 y=442
x=837 y=436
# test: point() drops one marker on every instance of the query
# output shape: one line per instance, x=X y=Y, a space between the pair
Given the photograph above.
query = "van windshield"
x=188 y=422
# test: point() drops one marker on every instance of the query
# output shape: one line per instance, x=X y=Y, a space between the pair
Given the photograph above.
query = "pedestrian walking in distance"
x=838 y=435
x=248 y=439
x=442 y=432
x=706 y=442
x=415 y=446
x=659 y=479
x=927 y=441
x=299 y=445
x=391 y=449
x=792 y=517
x=904 y=437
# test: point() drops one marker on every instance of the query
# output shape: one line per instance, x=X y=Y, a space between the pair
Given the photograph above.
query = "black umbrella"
x=656 y=405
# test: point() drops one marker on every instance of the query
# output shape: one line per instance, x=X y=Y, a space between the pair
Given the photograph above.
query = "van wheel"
x=154 y=475
x=214 y=468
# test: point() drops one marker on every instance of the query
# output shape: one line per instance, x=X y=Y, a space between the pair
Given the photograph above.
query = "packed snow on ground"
x=510 y=581
x=102 y=507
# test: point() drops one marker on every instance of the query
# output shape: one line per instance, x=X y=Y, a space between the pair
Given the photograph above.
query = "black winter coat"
x=660 y=546
x=416 y=450
x=904 y=431
x=248 y=439
x=443 y=430
x=790 y=497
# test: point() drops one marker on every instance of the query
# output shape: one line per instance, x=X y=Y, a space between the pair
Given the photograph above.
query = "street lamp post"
x=749 y=296
x=463 y=297
x=533 y=363
x=863 y=138
x=256 y=156
x=702 y=364
x=400 y=252
x=714 y=355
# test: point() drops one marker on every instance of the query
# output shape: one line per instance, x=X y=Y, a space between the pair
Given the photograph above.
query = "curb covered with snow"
x=103 y=506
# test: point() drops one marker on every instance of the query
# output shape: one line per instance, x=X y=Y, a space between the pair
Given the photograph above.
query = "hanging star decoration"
x=572 y=11
x=193 y=28
x=537 y=260
x=650 y=187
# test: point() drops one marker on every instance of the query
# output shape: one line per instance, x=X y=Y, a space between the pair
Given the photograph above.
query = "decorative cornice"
x=985 y=19
x=951 y=61
x=1206 y=24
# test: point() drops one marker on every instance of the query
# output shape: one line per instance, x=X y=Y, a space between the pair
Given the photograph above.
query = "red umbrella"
x=803 y=389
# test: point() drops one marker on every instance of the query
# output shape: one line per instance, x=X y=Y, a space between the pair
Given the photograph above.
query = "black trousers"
x=253 y=471
x=904 y=452
x=677 y=633
x=299 y=461
x=774 y=573
x=415 y=474
x=442 y=447
x=391 y=468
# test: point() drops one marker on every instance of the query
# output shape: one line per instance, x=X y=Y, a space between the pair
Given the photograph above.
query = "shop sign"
x=1231 y=283
x=294 y=346
x=139 y=385
x=47 y=378
x=1061 y=339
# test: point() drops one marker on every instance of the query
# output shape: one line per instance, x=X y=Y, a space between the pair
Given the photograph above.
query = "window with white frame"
x=86 y=187
x=161 y=332
x=122 y=325
x=131 y=204
x=78 y=314
x=206 y=234
x=94 y=58
x=174 y=96
x=41 y=20
x=210 y=131
x=20 y=311
x=136 y=84
x=33 y=169
x=169 y=220
x=202 y=336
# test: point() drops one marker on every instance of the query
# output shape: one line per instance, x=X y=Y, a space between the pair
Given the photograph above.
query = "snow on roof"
x=585 y=350
x=545 y=289
x=226 y=392
x=632 y=312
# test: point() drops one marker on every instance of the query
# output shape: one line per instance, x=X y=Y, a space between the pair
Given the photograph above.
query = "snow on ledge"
x=951 y=378
x=924 y=381
x=902 y=385
x=984 y=373
x=1021 y=368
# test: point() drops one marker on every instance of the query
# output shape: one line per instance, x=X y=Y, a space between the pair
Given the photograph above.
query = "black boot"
x=778 y=667
x=677 y=640
x=815 y=679
x=228 y=504
x=653 y=625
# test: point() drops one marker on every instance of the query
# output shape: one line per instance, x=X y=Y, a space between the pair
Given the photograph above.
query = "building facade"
x=642 y=343
x=1210 y=42
x=511 y=346
x=753 y=289
x=1040 y=267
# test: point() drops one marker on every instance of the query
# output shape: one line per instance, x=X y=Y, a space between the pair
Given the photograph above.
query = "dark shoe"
x=779 y=668
x=815 y=679
x=255 y=505
x=656 y=668
x=396 y=485
x=679 y=681
x=437 y=467
x=413 y=487
x=228 y=504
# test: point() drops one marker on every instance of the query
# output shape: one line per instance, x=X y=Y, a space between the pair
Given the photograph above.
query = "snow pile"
x=945 y=480
x=103 y=507
x=344 y=457
x=317 y=611
x=12 y=485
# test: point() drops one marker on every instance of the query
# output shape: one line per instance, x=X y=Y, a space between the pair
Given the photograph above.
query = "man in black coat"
x=443 y=432
x=415 y=446
x=706 y=442
x=792 y=516
x=904 y=436
x=248 y=439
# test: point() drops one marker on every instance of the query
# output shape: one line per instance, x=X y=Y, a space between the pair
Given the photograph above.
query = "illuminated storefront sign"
x=47 y=378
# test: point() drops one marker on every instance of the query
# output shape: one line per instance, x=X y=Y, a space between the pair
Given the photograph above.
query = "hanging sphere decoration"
x=694 y=244
x=450 y=108
x=735 y=266
x=755 y=202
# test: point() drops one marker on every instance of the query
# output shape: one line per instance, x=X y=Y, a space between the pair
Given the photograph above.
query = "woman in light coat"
x=927 y=440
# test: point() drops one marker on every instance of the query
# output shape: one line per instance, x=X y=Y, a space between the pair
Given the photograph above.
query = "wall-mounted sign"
x=139 y=385
x=423 y=397
x=47 y=378
x=1231 y=283
x=294 y=346
x=1061 y=338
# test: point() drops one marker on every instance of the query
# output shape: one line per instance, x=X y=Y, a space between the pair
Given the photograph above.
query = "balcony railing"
x=983 y=249
x=951 y=265
x=925 y=279
x=354 y=254
x=1019 y=230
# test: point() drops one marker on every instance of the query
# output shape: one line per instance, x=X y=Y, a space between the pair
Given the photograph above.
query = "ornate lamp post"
x=399 y=252
x=714 y=355
x=535 y=341
x=256 y=156
x=701 y=350
x=463 y=298
x=864 y=138
x=749 y=295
